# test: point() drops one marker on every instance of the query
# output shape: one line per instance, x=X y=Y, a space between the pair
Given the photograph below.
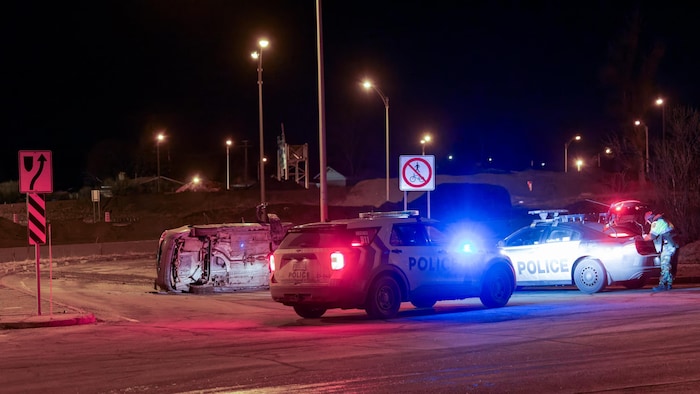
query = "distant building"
x=333 y=178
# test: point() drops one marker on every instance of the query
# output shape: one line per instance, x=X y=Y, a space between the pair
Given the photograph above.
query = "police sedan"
x=563 y=249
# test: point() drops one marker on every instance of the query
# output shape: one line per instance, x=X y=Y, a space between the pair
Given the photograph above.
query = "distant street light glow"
x=426 y=139
x=159 y=138
x=566 y=151
x=228 y=178
x=646 y=142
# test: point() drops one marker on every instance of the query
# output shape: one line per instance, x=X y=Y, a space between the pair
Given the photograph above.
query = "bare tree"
x=675 y=171
x=629 y=76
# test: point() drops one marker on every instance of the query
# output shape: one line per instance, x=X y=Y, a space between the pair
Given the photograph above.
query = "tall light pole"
x=566 y=151
x=259 y=56
x=660 y=102
x=159 y=138
x=367 y=85
x=426 y=139
x=646 y=143
x=228 y=162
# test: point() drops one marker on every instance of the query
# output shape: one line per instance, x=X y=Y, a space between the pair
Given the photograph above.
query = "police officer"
x=661 y=232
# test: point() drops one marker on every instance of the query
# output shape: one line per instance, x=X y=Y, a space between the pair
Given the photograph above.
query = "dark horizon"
x=504 y=80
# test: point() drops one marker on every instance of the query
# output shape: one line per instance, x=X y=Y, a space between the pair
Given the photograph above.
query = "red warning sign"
x=417 y=173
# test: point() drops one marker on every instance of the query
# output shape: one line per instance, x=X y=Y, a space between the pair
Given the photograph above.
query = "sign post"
x=36 y=178
x=95 y=194
x=417 y=173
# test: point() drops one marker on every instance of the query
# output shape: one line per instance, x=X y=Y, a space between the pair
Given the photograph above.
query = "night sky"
x=94 y=81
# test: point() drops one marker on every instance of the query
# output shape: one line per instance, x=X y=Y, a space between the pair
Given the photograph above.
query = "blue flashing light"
x=467 y=248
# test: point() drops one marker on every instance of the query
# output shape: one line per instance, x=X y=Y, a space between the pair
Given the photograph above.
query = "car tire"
x=309 y=312
x=384 y=299
x=590 y=276
x=635 y=283
x=497 y=287
x=423 y=303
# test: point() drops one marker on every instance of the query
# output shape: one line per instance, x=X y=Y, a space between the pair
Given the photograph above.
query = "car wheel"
x=423 y=303
x=635 y=283
x=589 y=276
x=384 y=299
x=309 y=312
x=497 y=287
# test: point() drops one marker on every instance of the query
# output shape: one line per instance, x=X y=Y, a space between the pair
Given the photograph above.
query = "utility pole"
x=245 y=162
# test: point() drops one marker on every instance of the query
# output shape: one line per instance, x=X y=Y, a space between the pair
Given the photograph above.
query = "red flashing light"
x=620 y=235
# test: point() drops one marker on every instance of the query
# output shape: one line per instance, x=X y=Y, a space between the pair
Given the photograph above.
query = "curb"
x=50 y=321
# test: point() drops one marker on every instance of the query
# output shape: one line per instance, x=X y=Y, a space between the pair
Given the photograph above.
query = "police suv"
x=381 y=259
x=559 y=248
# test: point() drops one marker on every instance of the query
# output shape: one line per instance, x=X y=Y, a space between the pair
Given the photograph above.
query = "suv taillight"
x=271 y=262
x=337 y=261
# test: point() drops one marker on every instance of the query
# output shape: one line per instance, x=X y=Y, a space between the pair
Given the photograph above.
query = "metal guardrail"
x=25 y=253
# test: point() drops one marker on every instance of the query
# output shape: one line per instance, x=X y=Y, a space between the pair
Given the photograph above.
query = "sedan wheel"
x=589 y=276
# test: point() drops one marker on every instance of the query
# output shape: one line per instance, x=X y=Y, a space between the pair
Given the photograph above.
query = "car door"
x=521 y=248
x=410 y=250
x=549 y=260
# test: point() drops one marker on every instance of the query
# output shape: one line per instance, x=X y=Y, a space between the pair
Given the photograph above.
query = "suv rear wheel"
x=384 y=298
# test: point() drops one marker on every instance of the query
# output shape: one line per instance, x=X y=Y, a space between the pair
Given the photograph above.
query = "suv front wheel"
x=384 y=298
x=497 y=287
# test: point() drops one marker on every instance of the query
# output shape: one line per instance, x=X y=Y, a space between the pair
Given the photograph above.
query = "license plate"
x=299 y=272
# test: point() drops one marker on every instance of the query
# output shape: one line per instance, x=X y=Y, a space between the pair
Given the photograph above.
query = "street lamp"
x=264 y=160
x=424 y=141
x=566 y=151
x=579 y=163
x=159 y=138
x=228 y=162
x=661 y=103
x=646 y=142
x=258 y=55
x=369 y=85
x=607 y=152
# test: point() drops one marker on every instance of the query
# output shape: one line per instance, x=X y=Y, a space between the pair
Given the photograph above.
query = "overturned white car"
x=217 y=257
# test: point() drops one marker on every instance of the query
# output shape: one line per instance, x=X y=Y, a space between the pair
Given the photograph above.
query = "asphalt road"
x=545 y=340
